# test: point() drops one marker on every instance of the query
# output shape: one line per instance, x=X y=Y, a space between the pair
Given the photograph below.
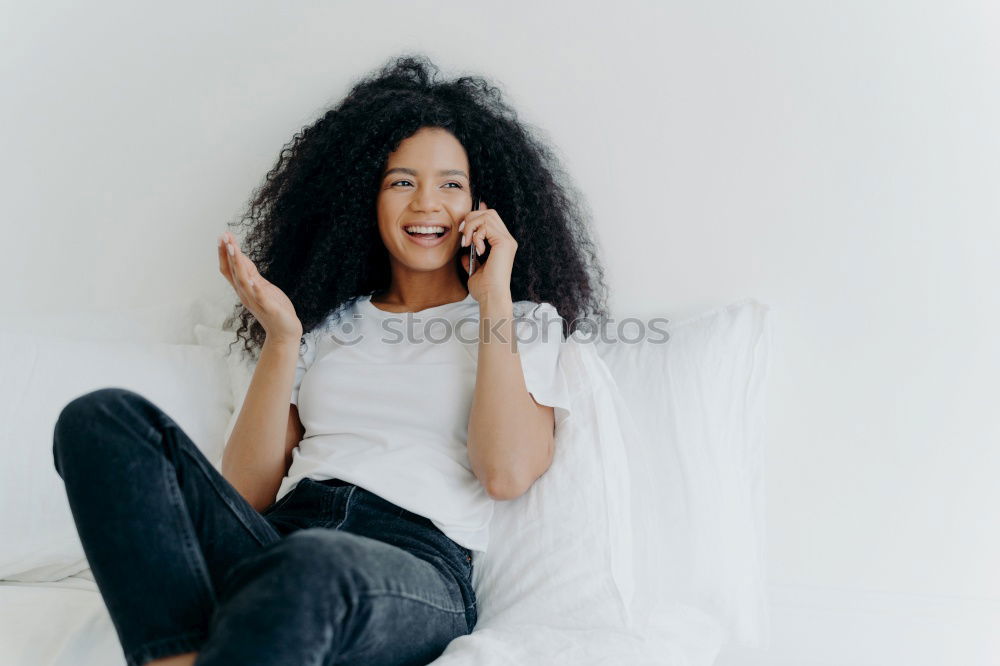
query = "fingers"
x=234 y=274
x=469 y=239
x=466 y=260
x=239 y=270
x=469 y=223
x=474 y=232
x=478 y=236
x=221 y=243
x=475 y=226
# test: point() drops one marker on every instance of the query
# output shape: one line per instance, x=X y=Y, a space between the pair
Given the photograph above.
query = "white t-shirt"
x=385 y=400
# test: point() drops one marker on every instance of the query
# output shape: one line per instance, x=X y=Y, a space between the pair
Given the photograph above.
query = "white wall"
x=837 y=161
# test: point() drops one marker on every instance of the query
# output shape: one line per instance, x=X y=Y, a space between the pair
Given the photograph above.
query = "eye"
x=458 y=185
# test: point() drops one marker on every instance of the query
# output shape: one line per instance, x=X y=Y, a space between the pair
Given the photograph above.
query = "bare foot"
x=176 y=660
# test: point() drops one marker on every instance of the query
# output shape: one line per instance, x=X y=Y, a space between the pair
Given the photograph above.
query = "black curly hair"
x=312 y=236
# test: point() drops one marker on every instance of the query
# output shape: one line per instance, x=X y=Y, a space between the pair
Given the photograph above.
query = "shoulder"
x=334 y=318
x=326 y=326
x=538 y=321
x=535 y=310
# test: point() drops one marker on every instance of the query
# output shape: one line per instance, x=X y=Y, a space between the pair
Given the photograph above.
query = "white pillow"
x=161 y=322
x=696 y=408
x=42 y=374
x=240 y=365
x=560 y=554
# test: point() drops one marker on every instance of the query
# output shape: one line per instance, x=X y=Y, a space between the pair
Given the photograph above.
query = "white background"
x=839 y=162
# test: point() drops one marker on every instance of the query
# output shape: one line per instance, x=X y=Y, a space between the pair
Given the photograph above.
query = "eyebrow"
x=412 y=172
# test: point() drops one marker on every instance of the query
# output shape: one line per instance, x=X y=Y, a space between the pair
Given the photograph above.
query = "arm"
x=253 y=461
x=511 y=437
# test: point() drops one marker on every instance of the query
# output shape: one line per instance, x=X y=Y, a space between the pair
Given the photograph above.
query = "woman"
x=353 y=542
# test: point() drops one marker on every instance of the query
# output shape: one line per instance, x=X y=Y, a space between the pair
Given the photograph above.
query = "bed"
x=642 y=544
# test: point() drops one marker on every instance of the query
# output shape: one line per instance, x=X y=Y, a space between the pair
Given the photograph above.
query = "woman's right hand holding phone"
x=268 y=304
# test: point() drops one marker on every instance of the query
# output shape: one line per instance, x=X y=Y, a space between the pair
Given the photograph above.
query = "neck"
x=413 y=299
x=411 y=290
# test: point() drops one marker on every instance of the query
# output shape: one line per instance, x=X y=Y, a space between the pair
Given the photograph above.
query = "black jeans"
x=330 y=574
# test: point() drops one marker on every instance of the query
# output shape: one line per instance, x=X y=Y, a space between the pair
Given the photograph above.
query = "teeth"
x=424 y=230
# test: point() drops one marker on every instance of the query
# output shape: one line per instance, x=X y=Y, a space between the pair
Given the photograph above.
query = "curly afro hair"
x=313 y=236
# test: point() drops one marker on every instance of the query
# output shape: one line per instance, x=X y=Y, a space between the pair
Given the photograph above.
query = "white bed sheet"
x=65 y=623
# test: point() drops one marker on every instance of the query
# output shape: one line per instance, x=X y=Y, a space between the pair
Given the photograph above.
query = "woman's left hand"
x=491 y=276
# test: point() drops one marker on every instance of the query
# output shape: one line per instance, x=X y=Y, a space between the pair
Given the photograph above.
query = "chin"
x=426 y=264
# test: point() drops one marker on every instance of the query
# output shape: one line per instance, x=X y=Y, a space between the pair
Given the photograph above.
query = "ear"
x=464 y=260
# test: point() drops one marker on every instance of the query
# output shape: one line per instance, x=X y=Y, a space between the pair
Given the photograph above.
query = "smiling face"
x=425 y=183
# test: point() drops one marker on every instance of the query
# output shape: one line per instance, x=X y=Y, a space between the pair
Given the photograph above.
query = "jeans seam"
x=225 y=500
x=192 y=550
x=148 y=651
x=347 y=506
x=411 y=597
x=155 y=433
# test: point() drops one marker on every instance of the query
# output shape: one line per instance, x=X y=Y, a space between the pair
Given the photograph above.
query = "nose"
x=427 y=199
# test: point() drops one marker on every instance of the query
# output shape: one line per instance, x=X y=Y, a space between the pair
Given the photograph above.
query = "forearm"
x=508 y=434
x=254 y=458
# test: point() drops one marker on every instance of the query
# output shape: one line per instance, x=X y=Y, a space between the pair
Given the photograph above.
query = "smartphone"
x=472 y=246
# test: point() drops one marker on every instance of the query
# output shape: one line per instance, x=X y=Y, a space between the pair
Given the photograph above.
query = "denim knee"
x=74 y=417
x=302 y=558
x=318 y=551
x=84 y=405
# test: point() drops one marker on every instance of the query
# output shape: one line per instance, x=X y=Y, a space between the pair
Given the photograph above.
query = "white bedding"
x=62 y=623
x=65 y=623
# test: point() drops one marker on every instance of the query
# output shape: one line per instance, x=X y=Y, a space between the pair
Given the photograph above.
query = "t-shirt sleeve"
x=307 y=354
x=539 y=344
